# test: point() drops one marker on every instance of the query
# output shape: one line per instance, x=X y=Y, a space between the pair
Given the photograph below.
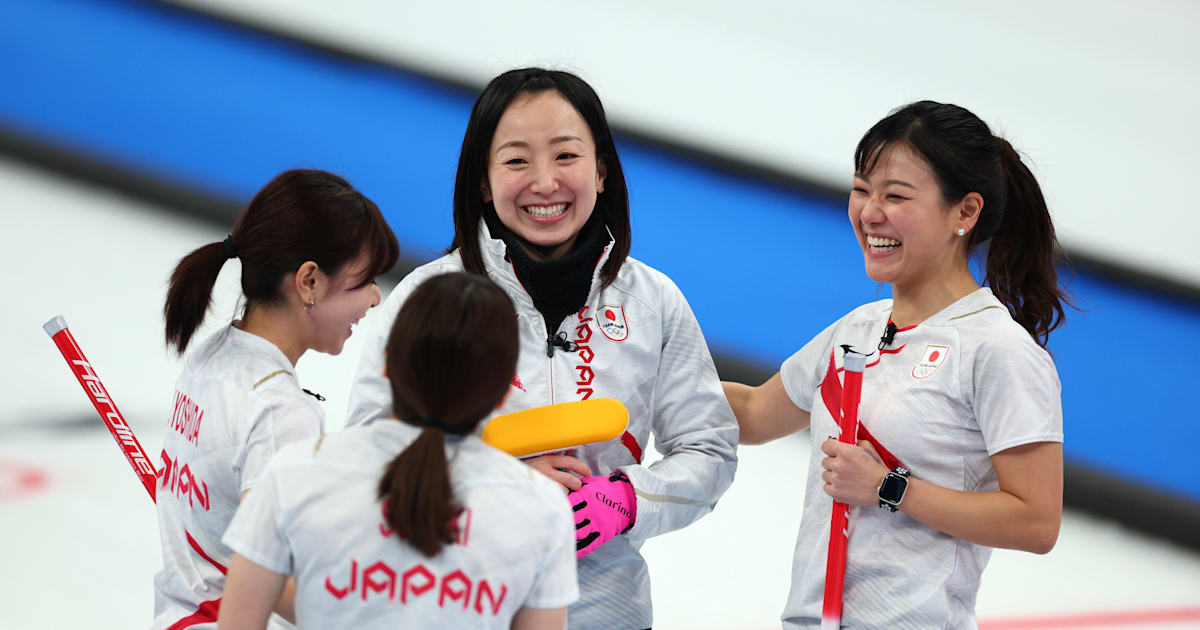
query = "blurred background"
x=132 y=132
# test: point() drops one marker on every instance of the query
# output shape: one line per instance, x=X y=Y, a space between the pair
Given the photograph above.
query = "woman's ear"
x=968 y=211
x=485 y=191
x=601 y=173
x=305 y=281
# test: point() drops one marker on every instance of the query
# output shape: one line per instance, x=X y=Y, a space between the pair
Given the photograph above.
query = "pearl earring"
x=961 y=231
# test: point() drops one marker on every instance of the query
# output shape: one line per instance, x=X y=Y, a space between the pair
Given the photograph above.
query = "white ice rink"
x=78 y=538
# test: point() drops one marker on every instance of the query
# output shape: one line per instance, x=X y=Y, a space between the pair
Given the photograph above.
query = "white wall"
x=1102 y=96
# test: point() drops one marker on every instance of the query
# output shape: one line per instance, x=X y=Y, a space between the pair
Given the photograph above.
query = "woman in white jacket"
x=310 y=246
x=541 y=207
x=413 y=522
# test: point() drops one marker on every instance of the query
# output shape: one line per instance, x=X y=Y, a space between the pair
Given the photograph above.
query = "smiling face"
x=543 y=175
x=905 y=227
x=339 y=303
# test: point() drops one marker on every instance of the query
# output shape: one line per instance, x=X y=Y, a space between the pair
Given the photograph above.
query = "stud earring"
x=309 y=307
x=961 y=231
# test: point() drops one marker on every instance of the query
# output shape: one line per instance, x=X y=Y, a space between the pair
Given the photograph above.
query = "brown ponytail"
x=1021 y=268
x=1015 y=223
x=300 y=215
x=450 y=359
x=190 y=292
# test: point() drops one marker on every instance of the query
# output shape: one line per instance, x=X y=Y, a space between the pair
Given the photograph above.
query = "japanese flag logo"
x=933 y=357
x=612 y=322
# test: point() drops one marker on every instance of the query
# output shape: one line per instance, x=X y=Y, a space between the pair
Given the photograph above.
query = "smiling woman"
x=541 y=208
x=543 y=176
x=960 y=441
x=310 y=246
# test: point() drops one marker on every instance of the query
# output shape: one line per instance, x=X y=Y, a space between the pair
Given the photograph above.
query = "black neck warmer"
x=558 y=287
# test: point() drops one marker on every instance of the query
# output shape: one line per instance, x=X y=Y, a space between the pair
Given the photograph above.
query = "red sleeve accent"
x=631 y=443
x=207 y=613
x=196 y=547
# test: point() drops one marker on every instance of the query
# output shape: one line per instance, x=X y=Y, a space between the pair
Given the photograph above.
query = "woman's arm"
x=286 y=606
x=1025 y=513
x=540 y=619
x=251 y=594
x=764 y=413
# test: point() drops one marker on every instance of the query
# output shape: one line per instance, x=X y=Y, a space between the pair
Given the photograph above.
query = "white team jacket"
x=236 y=403
x=638 y=342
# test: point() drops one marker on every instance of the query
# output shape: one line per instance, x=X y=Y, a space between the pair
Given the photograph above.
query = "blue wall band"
x=765 y=268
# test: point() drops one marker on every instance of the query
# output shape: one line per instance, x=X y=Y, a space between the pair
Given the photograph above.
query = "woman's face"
x=543 y=175
x=904 y=226
x=340 y=302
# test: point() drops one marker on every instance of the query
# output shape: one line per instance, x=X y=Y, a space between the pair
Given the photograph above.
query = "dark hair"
x=451 y=357
x=612 y=204
x=300 y=215
x=966 y=157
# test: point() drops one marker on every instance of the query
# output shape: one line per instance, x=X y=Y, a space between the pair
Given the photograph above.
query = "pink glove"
x=604 y=507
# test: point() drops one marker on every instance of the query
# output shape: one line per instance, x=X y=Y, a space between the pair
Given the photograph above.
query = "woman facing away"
x=960 y=444
x=413 y=522
x=310 y=247
x=541 y=208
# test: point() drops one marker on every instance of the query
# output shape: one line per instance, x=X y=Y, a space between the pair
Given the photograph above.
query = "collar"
x=494 y=252
x=241 y=337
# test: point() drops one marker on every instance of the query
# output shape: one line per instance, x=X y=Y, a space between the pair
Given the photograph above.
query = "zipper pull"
x=559 y=340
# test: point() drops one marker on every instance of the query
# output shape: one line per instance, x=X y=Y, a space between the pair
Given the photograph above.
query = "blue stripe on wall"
x=764 y=268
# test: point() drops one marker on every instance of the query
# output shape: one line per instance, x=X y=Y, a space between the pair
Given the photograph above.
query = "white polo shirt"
x=315 y=515
x=943 y=397
x=236 y=402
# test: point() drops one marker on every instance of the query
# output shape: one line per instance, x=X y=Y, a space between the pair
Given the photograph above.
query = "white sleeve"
x=556 y=585
x=254 y=532
x=802 y=372
x=694 y=429
x=279 y=417
x=1016 y=393
x=371 y=394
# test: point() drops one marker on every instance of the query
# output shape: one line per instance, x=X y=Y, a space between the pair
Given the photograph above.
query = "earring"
x=961 y=231
x=309 y=307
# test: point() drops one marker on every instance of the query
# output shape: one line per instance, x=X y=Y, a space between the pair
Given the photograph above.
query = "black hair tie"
x=434 y=423
x=230 y=252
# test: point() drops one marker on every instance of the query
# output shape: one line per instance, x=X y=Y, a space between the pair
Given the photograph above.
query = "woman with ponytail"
x=413 y=522
x=310 y=247
x=960 y=437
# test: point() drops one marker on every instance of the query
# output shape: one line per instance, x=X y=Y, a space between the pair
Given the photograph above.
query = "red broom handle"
x=839 y=532
x=95 y=390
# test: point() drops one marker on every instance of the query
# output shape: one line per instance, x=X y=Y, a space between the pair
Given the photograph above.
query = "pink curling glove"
x=604 y=507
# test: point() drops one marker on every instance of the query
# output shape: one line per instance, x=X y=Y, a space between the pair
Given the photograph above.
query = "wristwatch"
x=891 y=491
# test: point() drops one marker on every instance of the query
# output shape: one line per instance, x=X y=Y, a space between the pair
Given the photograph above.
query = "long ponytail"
x=190 y=292
x=451 y=355
x=1021 y=261
x=418 y=497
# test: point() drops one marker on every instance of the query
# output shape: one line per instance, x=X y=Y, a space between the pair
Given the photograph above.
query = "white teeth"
x=545 y=212
x=880 y=242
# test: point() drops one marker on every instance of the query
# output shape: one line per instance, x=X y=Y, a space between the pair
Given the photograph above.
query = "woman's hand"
x=852 y=472
x=559 y=468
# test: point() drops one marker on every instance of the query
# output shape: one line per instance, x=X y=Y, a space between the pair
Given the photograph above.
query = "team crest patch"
x=933 y=357
x=612 y=322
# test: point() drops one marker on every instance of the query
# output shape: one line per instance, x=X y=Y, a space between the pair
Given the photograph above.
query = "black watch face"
x=892 y=488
